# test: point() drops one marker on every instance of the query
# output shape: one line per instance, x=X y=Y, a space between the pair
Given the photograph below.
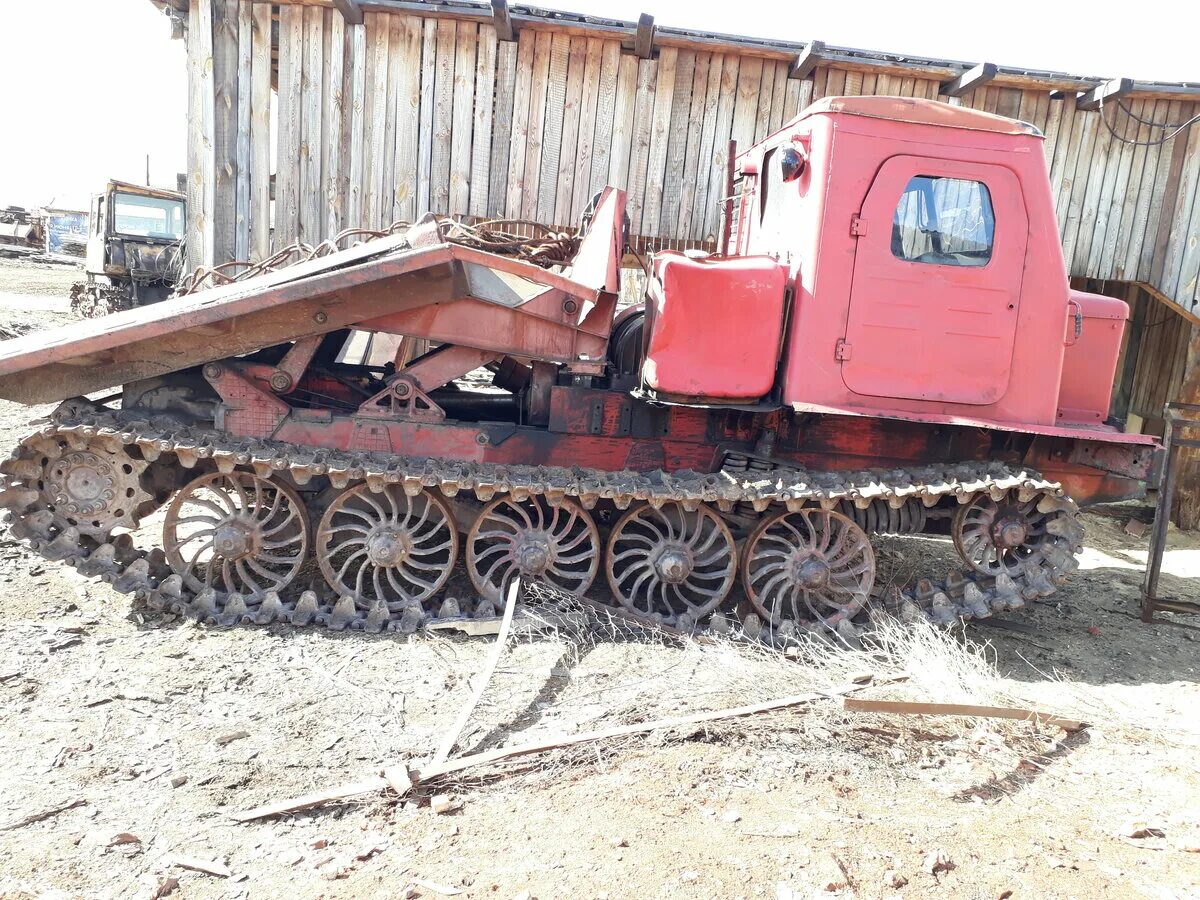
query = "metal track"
x=146 y=575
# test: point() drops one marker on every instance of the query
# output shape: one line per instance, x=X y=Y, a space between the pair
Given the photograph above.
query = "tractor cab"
x=888 y=256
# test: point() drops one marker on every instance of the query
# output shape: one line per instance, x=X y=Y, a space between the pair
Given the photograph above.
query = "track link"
x=78 y=425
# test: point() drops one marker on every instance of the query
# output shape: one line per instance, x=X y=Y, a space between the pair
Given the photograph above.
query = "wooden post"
x=1186 y=504
x=225 y=130
x=200 y=135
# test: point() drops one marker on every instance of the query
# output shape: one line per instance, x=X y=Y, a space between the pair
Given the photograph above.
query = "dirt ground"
x=145 y=733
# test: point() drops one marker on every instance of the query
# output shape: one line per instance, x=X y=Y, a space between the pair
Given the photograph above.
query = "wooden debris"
x=1139 y=829
x=921 y=708
x=894 y=880
x=165 y=887
x=124 y=837
x=231 y=737
x=207 y=866
x=43 y=815
x=402 y=779
x=319 y=798
x=469 y=627
x=936 y=862
x=443 y=889
x=1135 y=527
x=451 y=738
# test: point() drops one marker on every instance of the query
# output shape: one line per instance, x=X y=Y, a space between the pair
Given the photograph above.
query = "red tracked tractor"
x=887 y=344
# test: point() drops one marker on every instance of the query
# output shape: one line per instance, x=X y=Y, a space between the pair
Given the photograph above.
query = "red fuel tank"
x=714 y=327
x=1090 y=361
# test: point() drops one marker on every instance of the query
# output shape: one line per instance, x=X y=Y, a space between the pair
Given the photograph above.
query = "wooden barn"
x=310 y=116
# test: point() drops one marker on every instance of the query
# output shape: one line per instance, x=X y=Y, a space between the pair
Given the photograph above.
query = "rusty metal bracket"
x=402 y=399
x=1117 y=459
x=246 y=407
x=294 y=363
x=1185 y=419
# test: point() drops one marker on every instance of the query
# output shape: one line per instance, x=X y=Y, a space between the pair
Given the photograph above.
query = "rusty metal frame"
x=1183 y=418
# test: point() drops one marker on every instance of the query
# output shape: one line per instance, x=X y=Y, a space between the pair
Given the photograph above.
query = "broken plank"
x=920 y=708
x=310 y=801
x=484 y=677
x=44 y=814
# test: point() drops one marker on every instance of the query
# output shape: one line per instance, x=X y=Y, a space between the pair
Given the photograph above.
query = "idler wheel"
x=1002 y=537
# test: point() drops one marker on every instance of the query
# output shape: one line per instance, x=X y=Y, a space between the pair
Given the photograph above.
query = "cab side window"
x=944 y=222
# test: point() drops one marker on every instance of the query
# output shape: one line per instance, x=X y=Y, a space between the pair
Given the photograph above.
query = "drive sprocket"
x=89 y=487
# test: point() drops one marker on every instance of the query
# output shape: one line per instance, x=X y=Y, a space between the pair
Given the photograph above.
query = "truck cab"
x=134 y=248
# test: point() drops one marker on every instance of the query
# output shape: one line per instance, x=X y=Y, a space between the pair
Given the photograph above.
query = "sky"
x=88 y=88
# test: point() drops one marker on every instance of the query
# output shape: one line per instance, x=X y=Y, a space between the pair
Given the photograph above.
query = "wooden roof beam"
x=502 y=21
x=350 y=11
x=1101 y=93
x=969 y=80
x=643 y=41
x=808 y=60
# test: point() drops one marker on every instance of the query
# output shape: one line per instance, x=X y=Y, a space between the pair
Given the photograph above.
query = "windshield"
x=148 y=216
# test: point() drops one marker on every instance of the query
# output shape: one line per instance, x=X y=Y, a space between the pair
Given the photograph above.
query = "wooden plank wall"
x=1153 y=356
x=384 y=121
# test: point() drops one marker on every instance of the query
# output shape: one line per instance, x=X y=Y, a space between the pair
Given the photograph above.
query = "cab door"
x=937 y=282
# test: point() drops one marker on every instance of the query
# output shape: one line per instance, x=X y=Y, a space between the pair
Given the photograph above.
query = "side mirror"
x=791 y=163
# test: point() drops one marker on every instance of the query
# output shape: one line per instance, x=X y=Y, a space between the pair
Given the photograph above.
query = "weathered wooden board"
x=624 y=113
x=605 y=101
x=552 y=129
x=722 y=134
x=334 y=126
x=660 y=130
x=241 y=173
x=425 y=136
x=312 y=218
x=503 y=134
x=569 y=141
x=260 y=133
x=225 y=127
x=528 y=189
x=443 y=113
x=676 y=142
x=481 y=136
x=581 y=176
x=463 y=118
x=639 y=152
x=355 y=216
x=408 y=121
x=200 y=196
x=374 y=147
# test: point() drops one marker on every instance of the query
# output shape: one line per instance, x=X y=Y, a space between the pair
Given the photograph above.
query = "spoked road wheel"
x=555 y=544
x=1006 y=536
x=671 y=562
x=387 y=546
x=810 y=566
x=237 y=533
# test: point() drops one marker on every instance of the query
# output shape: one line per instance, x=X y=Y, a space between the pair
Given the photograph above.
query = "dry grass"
x=610 y=672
